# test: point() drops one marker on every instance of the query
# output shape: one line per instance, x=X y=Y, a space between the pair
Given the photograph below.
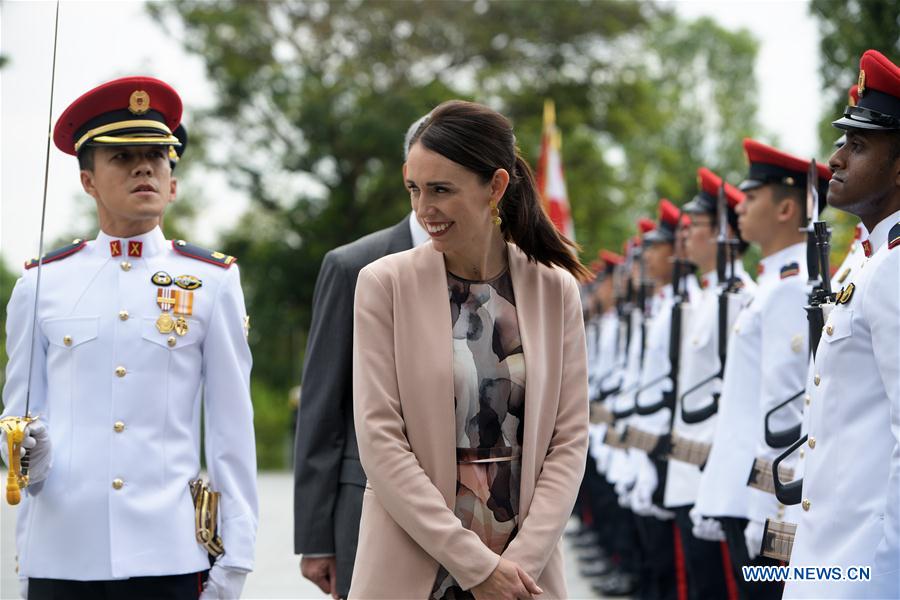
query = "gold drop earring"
x=495 y=214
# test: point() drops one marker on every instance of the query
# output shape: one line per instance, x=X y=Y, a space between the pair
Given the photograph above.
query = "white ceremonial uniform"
x=606 y=378
x=844 y=275
x=723 y=490
x=700 y=361
x=654 y=378
x=620 y=471
x=782 y=368
x=122 y=403
x=851 y=487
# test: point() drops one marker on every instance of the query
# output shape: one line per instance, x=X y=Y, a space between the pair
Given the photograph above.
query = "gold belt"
x=473 y=456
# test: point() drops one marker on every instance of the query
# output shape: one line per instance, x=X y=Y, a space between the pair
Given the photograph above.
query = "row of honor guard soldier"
x=729 y=471
x=136 y=338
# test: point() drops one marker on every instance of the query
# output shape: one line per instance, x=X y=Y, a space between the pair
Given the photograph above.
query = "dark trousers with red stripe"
x=708 y=571
x=167 y=587
x=737 y=548
x=657 y=578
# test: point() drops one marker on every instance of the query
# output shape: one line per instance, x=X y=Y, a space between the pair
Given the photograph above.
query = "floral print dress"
x=489 y=395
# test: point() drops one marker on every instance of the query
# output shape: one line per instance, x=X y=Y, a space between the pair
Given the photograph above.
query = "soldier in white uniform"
x=851 y=491
x=654 y=524
x=707 y=572
x=767 y=357
x=785 y=339
x=133 y=333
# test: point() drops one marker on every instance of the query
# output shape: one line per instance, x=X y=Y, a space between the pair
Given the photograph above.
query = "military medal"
x=165 y=323
x=181 y=326
x=165 y=298
x=183 y=307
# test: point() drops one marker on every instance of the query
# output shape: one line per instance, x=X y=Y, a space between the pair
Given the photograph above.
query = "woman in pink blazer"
x=470 y=381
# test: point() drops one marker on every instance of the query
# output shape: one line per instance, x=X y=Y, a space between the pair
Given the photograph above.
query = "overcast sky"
x=99 y=41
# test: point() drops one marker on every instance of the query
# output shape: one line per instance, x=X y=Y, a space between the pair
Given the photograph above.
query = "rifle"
x=814 y=315
x=821 y=298
x=681 y=268
x=726 y=254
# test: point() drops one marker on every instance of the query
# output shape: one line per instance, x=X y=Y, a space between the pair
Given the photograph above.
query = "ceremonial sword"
x=15 y=427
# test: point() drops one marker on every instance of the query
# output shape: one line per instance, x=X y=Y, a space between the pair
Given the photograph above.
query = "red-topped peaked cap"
x=669 y=215
x=131 y=111
x=878 y=95
x=611 y=258
x=645 y=225
x=707 y=199
x=770 y=165
x=608 y=261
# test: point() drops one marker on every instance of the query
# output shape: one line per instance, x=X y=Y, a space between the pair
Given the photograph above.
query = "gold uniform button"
x=812 y=442
x=806 y=504
x=817 y=379
x=120 y=371
x=807 y=398
x=117 y=484
x=126 y=266
x=123 y=315
x=829 y=330
x=171 y=341
x=67 y=340
x=802 y=453
x=119 y=427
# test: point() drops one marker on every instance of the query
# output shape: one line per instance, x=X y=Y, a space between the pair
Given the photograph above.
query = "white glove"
x=644 y=486
x=623 y=491
x=37 y=443
x=753 y=536
x=661 y=513
x=23 y=587
x=224 y=583
x=706 y=529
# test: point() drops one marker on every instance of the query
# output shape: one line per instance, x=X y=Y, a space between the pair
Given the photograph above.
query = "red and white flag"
x=550 y=181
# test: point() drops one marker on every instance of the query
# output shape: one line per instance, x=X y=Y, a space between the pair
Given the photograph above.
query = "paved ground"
x=277 y=574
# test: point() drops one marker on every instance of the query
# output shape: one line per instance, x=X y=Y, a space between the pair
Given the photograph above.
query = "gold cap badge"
x=861 y=84
x=139 y=103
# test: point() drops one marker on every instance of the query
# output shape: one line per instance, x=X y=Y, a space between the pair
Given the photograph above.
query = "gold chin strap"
x=15 y=435
x=206 y=512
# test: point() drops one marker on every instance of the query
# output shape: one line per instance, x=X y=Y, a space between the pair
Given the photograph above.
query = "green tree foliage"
x=7 y=283
x=314 y=98
x=847 y=30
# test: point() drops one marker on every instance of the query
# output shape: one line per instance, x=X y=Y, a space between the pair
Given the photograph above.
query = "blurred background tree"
x=317 y=96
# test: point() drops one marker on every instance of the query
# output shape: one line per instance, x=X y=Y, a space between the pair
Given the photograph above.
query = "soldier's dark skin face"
x=865 y=180
x=132 y=186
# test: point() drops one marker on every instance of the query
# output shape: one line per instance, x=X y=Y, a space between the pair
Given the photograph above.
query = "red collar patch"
x=867 y=248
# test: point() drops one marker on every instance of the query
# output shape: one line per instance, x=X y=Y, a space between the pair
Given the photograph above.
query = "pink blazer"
x=405 y=426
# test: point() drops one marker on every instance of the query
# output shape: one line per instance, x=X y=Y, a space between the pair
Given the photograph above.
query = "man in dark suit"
x=328 y=478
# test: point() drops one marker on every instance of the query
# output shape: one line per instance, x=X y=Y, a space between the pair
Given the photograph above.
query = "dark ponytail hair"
x=482 y=140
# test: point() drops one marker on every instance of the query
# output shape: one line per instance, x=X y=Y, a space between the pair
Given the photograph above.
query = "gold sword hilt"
x=15 y=435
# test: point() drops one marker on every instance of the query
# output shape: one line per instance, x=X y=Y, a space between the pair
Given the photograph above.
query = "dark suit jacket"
x=328 y=478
